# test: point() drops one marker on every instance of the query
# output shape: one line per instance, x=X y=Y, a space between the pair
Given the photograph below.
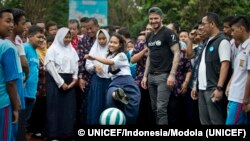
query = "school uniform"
x=235 y=114
x=99 y=83
x=61 y=64
x=124 y=80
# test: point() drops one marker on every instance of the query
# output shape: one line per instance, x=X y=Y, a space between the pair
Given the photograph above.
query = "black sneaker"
x=121 y=96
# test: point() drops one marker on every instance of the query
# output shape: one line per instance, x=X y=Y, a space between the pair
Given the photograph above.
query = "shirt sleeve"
x=120 y=60
x=82 y=47
x=20 y=49
x=172 y=38
x=75 y=75
x=50 y=67
x=224 y=51
x=10 y=65
x=89 y=66
x=188 y=65
x=81 y=54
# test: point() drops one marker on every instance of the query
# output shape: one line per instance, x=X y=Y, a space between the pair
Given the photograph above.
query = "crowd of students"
x=54 y=80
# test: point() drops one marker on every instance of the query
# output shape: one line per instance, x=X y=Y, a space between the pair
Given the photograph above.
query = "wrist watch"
x=219 y=88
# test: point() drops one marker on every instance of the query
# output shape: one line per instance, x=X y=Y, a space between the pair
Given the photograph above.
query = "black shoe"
x=121 y=96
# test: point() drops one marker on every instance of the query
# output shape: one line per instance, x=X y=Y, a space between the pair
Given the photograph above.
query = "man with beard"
x=161 y=65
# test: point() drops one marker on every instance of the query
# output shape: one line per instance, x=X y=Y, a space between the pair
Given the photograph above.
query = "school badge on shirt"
x=242 y=62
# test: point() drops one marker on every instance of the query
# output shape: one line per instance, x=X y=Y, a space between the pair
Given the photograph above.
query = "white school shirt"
x=241 y=68
x=19 y=45
x=234 y=52
x=61 y=59
x=98 y=51
x=120 y=62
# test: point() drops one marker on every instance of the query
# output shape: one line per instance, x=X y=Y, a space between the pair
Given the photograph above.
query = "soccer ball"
x=112 y=116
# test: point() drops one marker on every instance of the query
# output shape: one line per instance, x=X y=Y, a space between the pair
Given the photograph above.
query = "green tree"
x=37 y=9
x=133 y=13
x=41 y=9
x=10 y=3
x=124 y=13
x=58 y=12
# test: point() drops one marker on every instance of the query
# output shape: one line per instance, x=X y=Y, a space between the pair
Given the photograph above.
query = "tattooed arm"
x=171 y=78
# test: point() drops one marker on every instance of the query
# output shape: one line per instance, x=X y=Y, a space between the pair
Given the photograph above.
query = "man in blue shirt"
x=36 y=38
x=10 y=67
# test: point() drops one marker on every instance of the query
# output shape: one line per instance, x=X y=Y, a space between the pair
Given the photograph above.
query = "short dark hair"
x=95 y=21
x=6 y=10
x=228 y=19
x=110 y=28
x=183 y=30
x=242 y=21
x=213 y=17
x=84 y=19
x=49 y=24
x=155 y=10
x=50 y=38
x=27 y=20
x=175 y=26
x=72 y=21
x=141 y=34
x=17 y=14
x=34 y=29
x=124 y=31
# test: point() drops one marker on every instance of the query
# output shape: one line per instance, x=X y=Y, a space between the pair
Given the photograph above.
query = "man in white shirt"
x=213 y=72
x=240 y=80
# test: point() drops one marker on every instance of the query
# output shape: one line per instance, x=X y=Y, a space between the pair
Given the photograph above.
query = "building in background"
x=89 y=8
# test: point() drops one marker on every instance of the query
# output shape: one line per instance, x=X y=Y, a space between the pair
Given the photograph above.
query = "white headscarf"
x=64 y=56
x=99 y=51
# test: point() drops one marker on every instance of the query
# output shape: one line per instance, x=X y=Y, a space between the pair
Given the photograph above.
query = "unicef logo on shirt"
x=211 y=49
x=158 y=43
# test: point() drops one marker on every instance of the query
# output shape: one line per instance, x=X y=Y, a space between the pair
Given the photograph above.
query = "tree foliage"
x=133 y=13
x=184 y=12
x=37 y=10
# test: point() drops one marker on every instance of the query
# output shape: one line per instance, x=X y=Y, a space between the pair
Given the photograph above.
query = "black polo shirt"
x=161 y=56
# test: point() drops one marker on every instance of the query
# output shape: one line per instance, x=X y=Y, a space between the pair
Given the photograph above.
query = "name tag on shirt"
x=242 y=62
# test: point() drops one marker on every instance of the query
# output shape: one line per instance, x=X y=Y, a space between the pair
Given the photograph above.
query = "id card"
x=242 y=62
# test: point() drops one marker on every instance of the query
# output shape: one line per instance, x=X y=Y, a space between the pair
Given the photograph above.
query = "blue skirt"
x=129 y=86
x=96 y=98
x=61 y=108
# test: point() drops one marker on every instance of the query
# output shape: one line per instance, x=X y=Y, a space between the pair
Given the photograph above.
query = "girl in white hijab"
x=61 y=63
x=100 y=80
x=99 y=48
